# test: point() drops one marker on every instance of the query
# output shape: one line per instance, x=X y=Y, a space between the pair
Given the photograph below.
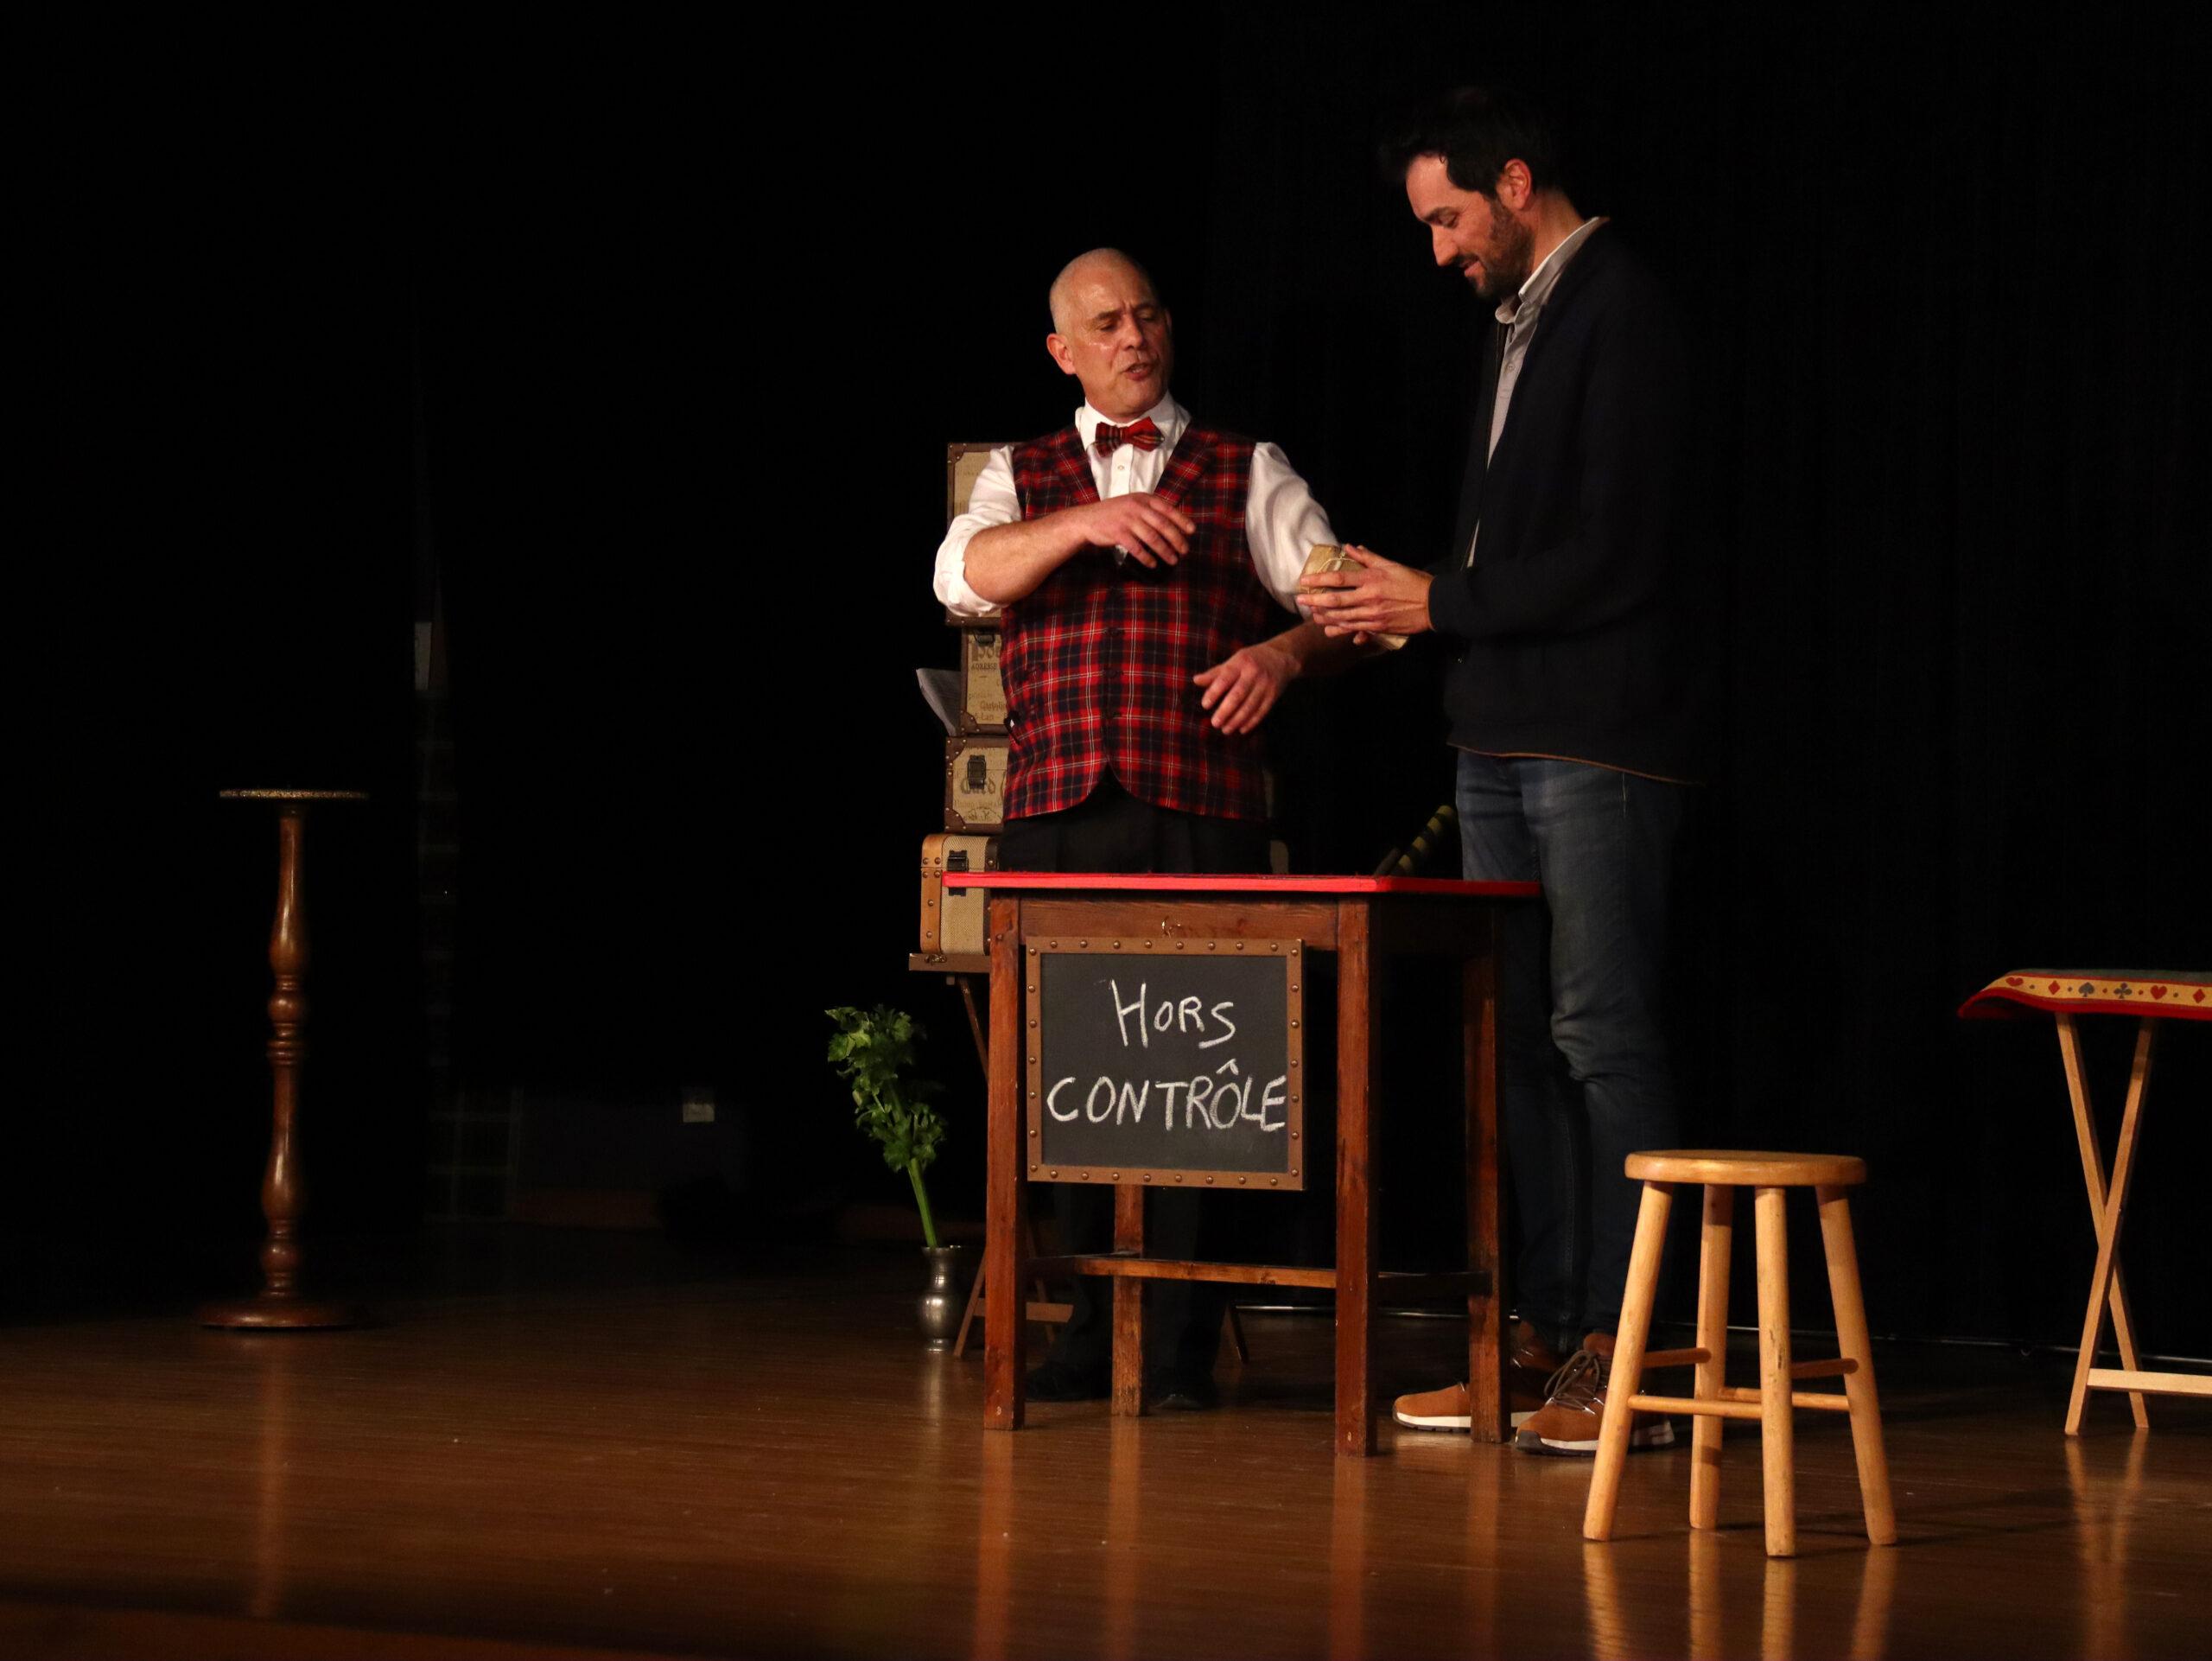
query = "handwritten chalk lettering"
x=1124 y=1011
x=1274 y=1096
x=1208 y=1102
x=1216 y=1103
x=1197 y=1102
x=1221 y=1013
x=1090 y=1108
x=1187 y=1015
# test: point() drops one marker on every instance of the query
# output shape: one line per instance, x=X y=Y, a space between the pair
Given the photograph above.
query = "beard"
x=1507 y=262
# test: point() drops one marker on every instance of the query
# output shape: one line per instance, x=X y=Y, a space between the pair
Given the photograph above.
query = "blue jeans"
x=1583 y=1074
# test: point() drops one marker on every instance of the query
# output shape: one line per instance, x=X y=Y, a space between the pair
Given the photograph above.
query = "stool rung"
x=1828 y=1368
x=1820 y=1399
x=1736 y=1403
x=1720 y=1408
x=1834 y=1366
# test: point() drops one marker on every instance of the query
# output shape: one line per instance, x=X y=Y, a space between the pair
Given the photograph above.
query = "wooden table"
x=2152 y=997
x=1364 y=921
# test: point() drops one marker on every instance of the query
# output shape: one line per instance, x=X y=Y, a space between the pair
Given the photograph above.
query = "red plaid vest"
x=1098 y=661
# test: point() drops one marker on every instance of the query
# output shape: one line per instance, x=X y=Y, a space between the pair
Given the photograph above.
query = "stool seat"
x=1747 y=1170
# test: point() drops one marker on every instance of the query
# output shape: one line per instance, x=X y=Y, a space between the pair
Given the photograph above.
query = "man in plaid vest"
x=1137 y=559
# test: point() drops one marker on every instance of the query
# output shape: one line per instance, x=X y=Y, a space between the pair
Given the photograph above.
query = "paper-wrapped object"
x=1327 y=557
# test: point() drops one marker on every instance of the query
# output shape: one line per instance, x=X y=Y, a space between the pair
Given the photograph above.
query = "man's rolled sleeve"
x=1282 y=524
x=993 y=502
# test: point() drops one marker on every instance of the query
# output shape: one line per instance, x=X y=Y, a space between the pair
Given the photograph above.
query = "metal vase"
x=941 y=1305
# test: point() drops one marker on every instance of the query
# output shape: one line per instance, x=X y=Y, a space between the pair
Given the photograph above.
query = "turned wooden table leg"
x=1358 y=1068
x=283 y=1194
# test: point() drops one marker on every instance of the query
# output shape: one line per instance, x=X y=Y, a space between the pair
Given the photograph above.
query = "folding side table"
x=2153 y=997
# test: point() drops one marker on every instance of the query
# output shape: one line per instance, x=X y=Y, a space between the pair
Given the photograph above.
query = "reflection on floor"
x=543 y=1453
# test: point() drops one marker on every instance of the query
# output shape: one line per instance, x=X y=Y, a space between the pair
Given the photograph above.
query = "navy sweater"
x=1575 y=629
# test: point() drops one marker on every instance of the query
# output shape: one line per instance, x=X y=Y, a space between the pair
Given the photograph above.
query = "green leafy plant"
x=873 y=1049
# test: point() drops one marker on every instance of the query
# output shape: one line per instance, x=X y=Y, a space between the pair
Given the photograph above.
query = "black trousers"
x=1112 y=831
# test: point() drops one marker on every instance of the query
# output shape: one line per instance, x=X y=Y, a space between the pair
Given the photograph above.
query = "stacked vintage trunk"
x=975 y=760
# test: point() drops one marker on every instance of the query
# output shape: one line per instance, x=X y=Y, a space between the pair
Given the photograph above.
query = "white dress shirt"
x=1282 y=522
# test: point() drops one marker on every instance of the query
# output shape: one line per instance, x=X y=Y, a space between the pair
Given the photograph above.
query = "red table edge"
x=2161 y=995
x=1438 y=886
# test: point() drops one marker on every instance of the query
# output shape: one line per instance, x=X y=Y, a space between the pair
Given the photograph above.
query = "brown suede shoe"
x=1576 y=1408
x=1528 y=1371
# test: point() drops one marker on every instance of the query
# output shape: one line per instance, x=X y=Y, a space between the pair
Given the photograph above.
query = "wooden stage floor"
x=555 y=1448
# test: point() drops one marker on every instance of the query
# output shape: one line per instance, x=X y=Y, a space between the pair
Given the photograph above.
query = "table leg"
x=966 y=984
x=1041 y=1309
x=283 y=1193
x=1357 y=1028
x=1006 y=1211
x=2092 y=1175
x=1129 y=1303
x=1490 y=1416
x=2109 y=1221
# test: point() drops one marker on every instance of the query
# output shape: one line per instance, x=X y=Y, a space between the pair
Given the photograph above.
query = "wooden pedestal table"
x=2152 y=998
x=1036 y=920
x=279 y=1305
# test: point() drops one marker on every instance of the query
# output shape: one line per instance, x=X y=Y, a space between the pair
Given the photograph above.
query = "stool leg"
x=1627 y=1370
x=1859 y=1383
x=1719 y=1237
x=1778 y=1435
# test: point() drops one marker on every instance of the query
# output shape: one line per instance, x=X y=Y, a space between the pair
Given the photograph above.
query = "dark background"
x=640 y=350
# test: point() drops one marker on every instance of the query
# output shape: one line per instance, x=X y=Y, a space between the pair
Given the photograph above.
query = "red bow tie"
x=1143 y=435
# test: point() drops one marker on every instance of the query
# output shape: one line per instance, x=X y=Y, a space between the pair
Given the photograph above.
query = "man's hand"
x=1242 y=688
x=1154 y=531
x=1381 y=597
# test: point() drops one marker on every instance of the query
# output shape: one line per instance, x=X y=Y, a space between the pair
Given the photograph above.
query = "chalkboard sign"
x=1177 y=1062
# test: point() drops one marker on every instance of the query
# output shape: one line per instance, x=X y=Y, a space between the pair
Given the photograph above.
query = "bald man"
x=1143 y=565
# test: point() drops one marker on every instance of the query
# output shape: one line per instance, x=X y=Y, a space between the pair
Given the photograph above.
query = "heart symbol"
x=2012 y=980
x=2158 y=991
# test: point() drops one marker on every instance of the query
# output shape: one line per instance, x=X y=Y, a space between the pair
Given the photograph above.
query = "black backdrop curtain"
x=690 y=321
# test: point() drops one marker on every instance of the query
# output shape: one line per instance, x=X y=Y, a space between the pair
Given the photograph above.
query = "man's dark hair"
x=1477 y=131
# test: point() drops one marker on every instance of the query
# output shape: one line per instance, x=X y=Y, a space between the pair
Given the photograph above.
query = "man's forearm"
x=1315 y=652
x=1008 y=562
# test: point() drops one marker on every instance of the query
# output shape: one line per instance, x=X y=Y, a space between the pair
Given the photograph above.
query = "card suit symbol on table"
x=2200 y=995
x=2087 y=989
x=2123 y=990
x=2054 y=986
x=2012 y=980
x=2158 y=992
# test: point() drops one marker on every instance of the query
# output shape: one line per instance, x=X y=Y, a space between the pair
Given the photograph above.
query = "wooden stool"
x=1713 y=1400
